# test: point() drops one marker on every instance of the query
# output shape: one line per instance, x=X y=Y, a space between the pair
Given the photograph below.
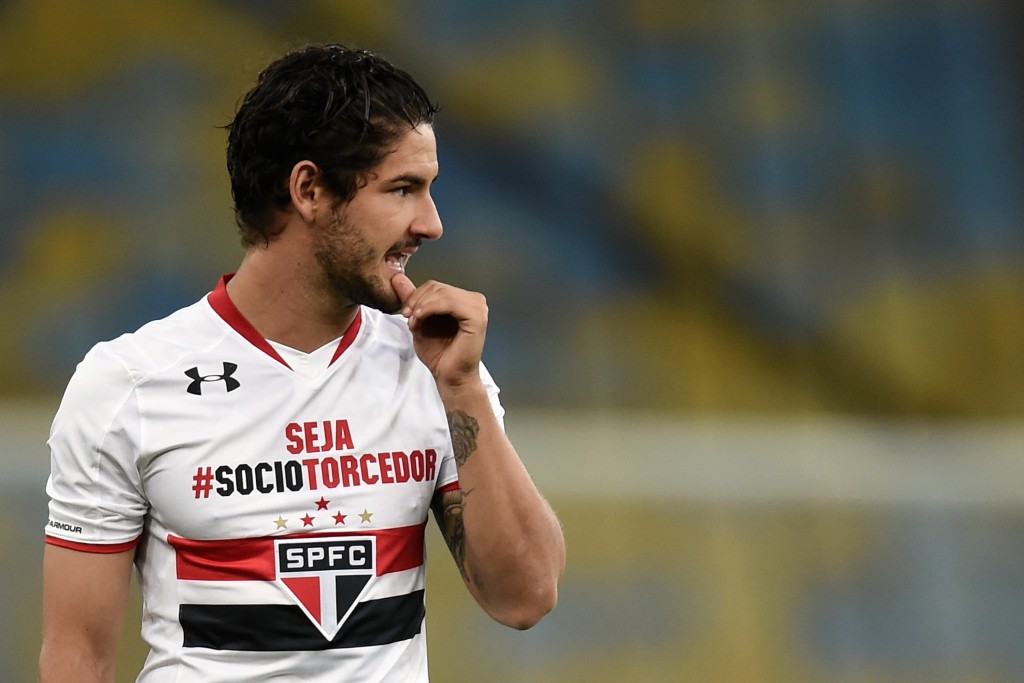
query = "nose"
x=428 y=222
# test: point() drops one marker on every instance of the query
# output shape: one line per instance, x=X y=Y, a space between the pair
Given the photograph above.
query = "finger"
x=404 y=288
x=430 y=300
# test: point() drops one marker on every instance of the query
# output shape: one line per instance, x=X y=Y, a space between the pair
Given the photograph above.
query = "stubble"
x=349 y=265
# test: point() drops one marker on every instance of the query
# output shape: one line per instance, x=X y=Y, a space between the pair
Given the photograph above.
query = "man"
x=266 y=456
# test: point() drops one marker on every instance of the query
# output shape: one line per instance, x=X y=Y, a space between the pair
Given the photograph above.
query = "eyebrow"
x=410 y=178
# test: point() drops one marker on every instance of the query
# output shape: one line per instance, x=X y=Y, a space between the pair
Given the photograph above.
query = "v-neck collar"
x=222 y=304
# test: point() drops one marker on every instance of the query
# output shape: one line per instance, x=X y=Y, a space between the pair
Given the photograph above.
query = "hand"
x=448 y=327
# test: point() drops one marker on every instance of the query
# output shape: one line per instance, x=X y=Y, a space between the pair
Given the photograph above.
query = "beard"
x=349 y=268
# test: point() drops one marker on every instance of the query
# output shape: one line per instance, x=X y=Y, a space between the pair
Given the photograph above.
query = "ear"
x=305 y=189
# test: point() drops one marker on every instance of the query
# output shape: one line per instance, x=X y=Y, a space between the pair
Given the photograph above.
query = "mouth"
x=396 y=259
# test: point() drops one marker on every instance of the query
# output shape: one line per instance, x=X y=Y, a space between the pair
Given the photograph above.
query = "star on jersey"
x=339 y=519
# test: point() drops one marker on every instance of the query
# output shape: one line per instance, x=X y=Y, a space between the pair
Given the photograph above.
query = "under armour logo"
x=196 y=385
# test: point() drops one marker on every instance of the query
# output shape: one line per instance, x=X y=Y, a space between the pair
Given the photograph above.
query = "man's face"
x=371 y=238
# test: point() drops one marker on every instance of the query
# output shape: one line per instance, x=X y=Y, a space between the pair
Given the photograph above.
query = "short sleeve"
x=95 y=487
x=492 y=394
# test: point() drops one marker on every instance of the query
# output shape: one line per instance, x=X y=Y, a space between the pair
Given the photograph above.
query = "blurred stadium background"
x=756 y=272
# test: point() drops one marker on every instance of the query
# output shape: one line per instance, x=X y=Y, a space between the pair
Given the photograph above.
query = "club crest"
x=326 y=576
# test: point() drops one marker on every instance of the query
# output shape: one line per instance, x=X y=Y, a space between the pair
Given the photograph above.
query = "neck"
x=276 y=292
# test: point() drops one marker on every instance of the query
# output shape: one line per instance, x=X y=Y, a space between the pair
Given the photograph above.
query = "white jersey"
x=278 y=515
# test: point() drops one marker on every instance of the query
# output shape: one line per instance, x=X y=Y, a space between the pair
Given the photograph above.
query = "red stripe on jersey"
x=238 y=559
x=399 y=549
x=92 y=547
x=252 y=559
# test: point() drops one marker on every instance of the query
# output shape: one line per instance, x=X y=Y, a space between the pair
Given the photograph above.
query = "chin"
x=385 y=302
x=372 y=292
x=390 y=309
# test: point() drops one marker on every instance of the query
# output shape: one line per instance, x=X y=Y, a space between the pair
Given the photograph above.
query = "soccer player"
x=266 y=457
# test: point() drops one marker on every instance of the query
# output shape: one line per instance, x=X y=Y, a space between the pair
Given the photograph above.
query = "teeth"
x=396 y=261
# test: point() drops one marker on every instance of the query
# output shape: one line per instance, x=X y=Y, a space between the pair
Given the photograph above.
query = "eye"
x=402 y=191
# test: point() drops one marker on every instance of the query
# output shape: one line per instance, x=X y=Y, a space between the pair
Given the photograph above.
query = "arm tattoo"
x=454 y=530
x=463 y=429
x=448 y=511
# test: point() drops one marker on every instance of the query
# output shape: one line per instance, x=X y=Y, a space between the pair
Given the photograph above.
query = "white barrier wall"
x=717 y=549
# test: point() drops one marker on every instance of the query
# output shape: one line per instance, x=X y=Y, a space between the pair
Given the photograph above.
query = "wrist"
x=457 y=392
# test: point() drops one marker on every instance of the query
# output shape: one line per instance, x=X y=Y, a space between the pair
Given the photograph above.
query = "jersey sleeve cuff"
x=92 y=547
x=449 y=487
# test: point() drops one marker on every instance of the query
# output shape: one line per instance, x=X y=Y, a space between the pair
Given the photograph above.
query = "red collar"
x=225 y=308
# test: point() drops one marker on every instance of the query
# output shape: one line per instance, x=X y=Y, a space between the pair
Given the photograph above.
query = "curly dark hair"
x=340 y=108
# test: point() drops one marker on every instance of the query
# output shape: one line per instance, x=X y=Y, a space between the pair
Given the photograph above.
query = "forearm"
x=513 y=551
x=503 y=535
x=84 y=599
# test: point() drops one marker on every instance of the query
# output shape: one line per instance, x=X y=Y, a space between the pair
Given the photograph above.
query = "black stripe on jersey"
x=268 y=628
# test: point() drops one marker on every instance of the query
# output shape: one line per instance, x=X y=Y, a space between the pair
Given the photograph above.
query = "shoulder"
x=157 y=344
x=111 y=371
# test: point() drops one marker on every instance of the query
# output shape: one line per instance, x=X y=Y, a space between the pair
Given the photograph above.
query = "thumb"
x=403 y=286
